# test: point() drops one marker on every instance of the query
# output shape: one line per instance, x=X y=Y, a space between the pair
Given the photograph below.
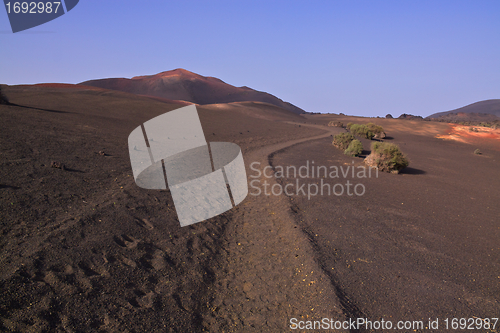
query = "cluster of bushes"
x=368 y=131
x=336 y=123
x=355 y=148
x=475 y=129
x=384 y=156
x=361 y=131
x=378 y=131
x=495 y=124
x=387 y=157
x=342 y=140
x=347 y=143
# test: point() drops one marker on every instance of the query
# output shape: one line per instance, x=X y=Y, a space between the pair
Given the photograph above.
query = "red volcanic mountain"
x=180 y=84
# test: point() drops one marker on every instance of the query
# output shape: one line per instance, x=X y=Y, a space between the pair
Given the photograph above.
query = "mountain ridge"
x=483 y=110
x=183 y=85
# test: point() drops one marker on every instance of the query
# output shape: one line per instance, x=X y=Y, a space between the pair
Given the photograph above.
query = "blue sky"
x=357 y=57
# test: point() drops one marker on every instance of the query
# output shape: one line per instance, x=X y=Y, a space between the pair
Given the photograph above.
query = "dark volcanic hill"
x=180 y=84
x=488 y=110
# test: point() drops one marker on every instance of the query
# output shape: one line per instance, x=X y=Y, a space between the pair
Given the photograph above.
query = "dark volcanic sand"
x=85 y=250
x=418 y=245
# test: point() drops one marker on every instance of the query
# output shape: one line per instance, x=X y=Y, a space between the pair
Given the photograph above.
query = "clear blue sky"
x=357 y=57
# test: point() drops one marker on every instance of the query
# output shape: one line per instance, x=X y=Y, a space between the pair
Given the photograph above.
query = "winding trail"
x=270 y=274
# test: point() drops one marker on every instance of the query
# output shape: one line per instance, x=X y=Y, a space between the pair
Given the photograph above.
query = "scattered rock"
x=247 y=286
x=3 y=100
x=410 y=117
x=57 y=165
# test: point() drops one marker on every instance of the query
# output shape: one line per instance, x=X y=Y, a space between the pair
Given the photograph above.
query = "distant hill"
x=180 y=84
x=488 y=110
x=409 y=117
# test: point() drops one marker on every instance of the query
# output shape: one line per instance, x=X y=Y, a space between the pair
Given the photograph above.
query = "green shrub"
x=336 y=123
x=342 y=140
x=361 y=131
x=477 y=152
x=387 y=157
x=348 y=126
x=377 y=130
x=355 y=148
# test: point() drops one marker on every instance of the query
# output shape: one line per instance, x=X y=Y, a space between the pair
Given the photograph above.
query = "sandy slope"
x=84 y=249
x=419 y=245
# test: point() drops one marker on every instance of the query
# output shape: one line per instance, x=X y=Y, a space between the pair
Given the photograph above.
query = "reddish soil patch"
x=477 y=135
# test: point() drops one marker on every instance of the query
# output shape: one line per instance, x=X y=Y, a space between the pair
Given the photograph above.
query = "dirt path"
x=85 y=248
x=271 y=276
x=418 y=245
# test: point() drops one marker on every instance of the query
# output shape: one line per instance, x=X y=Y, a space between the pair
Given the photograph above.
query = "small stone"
x=247 y=286
x=57 y=165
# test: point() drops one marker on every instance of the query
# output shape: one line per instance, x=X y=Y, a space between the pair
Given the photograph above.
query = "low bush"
x=342 y=140
x=355 y=148
x=477 y=152
x=336 y=123
x=377 y=130
x=348 y=126
x=361 y=131
x=386 y=157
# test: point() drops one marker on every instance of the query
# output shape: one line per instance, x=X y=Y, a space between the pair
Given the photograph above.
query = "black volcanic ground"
x=84 y=249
